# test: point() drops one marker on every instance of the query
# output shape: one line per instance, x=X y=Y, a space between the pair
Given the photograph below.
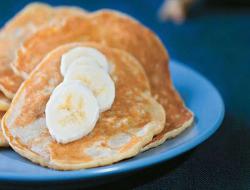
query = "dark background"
x=214 y=40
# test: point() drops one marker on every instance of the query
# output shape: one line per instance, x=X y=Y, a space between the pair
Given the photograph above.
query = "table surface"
x=215 y=42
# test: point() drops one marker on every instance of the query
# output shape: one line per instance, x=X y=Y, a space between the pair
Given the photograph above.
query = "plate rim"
x=135 y=164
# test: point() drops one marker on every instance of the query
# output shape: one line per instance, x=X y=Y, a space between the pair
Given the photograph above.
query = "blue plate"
x=200 y=96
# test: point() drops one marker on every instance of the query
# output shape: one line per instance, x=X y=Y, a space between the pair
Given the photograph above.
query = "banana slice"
x=83 y=61
x=99 y=82
x=69 y=57
x=71 y=112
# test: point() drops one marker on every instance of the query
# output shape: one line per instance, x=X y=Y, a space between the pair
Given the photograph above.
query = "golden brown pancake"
x=26 y=22
x=3 y=142
x=121 y=132
x=4 y=102
x=38 y=14
x=9 y=81
x=118 y=31
x=4 y=105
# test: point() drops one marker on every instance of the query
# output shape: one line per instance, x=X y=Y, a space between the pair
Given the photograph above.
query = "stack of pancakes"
x=147 y=109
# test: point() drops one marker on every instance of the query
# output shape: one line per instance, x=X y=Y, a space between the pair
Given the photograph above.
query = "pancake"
x=119 y=31
x=4 y=102
x=26 y=22
x=4 y=105
x=9 y=81
x=3 y=142
x=121 y=132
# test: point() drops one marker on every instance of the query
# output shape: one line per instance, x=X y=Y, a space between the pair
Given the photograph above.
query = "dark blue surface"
x=215 y=42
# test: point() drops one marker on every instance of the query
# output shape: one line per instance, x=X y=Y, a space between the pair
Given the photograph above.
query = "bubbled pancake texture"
x=118 y=31
x=26 y=22
x=120 y=132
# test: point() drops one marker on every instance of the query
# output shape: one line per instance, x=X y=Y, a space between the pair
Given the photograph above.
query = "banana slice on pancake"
x=121 y=132
x=97 y=80
x=88 y=53
x=73 y=108
x=81 y=61
x=71 y=112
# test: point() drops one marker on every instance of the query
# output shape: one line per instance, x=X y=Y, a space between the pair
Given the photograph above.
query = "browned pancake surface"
x=3 y=141
x=26 y=22
x=120 y=132
x=119 y=31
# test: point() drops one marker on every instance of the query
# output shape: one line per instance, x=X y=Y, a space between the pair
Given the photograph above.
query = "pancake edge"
x=170 y=135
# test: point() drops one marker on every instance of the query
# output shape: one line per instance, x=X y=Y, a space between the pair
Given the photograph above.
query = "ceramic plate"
x=200 y=96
